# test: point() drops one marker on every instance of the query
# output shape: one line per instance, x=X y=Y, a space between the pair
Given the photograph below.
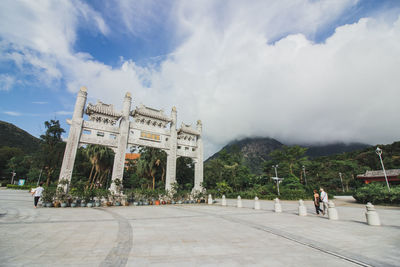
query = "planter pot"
x=198 y=201
x=57 y=204
x=150 y=202
x=97 y=204
x=89 y=205
x=73 y=205
x=203 y=201
x=63 y=205
x=173 y=202
x=179 y=202
x=169 y=202
x=109 y=204
x=157 y=202
x=117 y=203
x=163 y=202
x=83 y=204
x=135 y=203
x=49 y=205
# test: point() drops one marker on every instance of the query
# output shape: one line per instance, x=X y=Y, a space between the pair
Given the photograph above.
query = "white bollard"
x=210 y=200
x=302 y=208
x=371 y=215
x=223 y=200
x=277 y=206
x=256 y=203
x=332 y=212
x=239 y=202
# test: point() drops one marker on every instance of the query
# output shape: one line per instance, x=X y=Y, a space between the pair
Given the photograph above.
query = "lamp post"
x=305 y=177
x=341 y=180
x=379 y=152
x=276 y=178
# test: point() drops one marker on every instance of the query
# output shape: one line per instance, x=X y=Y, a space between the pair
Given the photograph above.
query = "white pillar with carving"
x=74 y=136
x=198 y=166
x=119 y=159
x=171 y=154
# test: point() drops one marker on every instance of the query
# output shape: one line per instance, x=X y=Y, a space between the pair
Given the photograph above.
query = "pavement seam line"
x=287 y=236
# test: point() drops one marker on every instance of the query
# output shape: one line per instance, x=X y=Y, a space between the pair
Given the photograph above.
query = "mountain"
x=12 y=136
x=256 y=150
x=315 y=151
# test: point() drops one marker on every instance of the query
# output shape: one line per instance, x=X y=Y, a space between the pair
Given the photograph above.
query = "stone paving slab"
x=192 y=235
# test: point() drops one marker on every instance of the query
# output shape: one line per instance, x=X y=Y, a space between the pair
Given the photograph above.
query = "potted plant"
x=74 y=195
x=48 y=196
x=61 y=197
x=100 y=194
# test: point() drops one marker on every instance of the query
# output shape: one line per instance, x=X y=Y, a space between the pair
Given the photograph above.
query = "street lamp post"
x=341 y=180
x=276 y=178
x=379 y=152
x=305 y=177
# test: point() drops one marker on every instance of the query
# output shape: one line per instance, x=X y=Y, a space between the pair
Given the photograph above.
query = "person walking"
x=37 y=193
x=324 y=199
x=317 y=202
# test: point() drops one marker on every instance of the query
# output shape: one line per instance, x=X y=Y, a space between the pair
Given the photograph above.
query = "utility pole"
x=341 y=180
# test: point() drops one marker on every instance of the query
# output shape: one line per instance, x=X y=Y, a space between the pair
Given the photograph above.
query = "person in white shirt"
x=37 y=193
x=324 y=199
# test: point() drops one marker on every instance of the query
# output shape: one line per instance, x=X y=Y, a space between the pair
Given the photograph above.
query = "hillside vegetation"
x=229 y=172
x=12 y=136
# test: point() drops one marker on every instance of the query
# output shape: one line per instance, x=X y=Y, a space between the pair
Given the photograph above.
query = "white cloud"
x=6 y=82
x=12 y=113
x=294 y=90
x=244 y=68
x=64 y=112
x=40 y=102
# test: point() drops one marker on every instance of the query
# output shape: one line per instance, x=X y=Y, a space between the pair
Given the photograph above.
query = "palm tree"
x=151 y=159
x=101 y=159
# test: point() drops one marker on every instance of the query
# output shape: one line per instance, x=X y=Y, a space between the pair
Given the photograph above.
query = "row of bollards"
x=371 y=214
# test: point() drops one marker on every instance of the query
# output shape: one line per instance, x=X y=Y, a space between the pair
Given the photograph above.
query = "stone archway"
x=149 y=127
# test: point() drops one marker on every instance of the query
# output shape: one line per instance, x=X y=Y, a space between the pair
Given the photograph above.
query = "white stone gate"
x=115 y=130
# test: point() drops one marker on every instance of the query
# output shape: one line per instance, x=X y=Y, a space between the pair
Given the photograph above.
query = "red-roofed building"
x=379 y=176
x=131 y=157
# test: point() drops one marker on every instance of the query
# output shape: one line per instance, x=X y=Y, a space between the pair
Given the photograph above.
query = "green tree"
x=102 y=159
x=51 y=149
x=6 y=153
x=152 y=161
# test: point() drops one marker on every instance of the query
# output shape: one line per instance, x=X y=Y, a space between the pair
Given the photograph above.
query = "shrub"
x=294 y=194
x=377 y=193
x=20 y=187
x=48 y=194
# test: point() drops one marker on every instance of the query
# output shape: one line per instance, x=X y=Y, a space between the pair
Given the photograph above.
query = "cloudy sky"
x=300 y=71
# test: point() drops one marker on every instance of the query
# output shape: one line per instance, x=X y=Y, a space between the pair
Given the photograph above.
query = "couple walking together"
x=321 y=198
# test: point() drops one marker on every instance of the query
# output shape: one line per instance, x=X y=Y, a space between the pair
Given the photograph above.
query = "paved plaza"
x=193 y=235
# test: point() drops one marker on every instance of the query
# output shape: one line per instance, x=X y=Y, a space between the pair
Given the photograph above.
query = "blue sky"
x=295 y=70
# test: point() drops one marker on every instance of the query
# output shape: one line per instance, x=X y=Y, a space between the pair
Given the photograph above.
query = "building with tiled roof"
x=373 y=176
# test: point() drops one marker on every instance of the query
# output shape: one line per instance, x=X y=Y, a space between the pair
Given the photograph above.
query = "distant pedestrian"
x=317 y=202
x=37 y=193
x=324 y=199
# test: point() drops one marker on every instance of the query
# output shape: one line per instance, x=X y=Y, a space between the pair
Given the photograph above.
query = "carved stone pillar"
x=73 y=136
x=119 y=159
x=198 y=166
x=171 y=154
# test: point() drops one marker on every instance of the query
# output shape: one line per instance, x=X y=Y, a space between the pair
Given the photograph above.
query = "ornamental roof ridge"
x=150 y=112
x=102 y=108
x=187 y=128
x=392 y=172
